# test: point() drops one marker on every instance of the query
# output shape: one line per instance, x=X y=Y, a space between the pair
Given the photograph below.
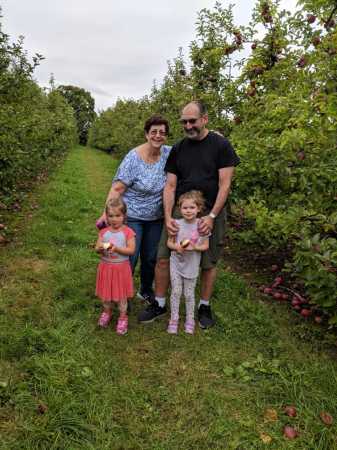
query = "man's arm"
x=168 y=199
x=225 y=180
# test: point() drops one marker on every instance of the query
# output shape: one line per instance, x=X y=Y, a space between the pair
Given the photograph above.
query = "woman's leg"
x=148 y=254
x=137 y=227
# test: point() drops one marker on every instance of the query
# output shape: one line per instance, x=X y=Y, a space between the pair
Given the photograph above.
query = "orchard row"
x=271 y=87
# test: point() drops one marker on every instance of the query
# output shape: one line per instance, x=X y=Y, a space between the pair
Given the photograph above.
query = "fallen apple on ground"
x=290 y=411
x=290 y=432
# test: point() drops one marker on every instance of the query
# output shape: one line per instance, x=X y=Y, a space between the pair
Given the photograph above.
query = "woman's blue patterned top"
x=145 y=183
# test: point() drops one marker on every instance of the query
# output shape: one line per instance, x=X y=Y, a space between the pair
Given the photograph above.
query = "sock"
x=161 y=301
x=203 y=302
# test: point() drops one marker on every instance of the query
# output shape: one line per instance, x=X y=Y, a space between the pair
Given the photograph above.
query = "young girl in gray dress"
x=186 y=248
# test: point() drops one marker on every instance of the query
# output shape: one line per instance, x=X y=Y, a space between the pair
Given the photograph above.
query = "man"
x=204 y=161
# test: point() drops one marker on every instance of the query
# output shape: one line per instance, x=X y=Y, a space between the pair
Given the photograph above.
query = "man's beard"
x=193 y=133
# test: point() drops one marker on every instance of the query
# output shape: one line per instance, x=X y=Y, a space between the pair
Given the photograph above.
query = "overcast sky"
x=110 y=48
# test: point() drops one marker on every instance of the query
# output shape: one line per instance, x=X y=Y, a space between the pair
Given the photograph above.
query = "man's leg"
x=208 y=271
x=162 y=277
x=207 y=283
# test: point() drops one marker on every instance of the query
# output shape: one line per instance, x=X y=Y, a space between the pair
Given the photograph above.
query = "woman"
x=140 y=179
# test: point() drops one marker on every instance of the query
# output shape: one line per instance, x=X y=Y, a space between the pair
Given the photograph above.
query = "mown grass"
x=65 y=384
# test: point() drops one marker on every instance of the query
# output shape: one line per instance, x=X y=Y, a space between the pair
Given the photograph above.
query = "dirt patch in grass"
x=252 y=263
x=32 y=265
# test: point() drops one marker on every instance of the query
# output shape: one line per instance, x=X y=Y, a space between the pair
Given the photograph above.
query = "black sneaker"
x=205 y=317
x=145 y=297
x=152 y=312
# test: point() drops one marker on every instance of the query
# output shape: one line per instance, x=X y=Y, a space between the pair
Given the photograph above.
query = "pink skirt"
x=114 y=281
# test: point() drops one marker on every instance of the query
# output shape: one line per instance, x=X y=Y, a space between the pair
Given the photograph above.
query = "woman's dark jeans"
x=147 y=240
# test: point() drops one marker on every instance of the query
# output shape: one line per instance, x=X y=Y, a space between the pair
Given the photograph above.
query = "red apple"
x=277 y=295
x=318 y=319
x=326 y=418
x=289 y=432
x=302 y=62
x=274 y=268
x=277 y=282
x=267 y=290
x=295 y=301
x=290 y=411
x=311 y=18
x=305 y=312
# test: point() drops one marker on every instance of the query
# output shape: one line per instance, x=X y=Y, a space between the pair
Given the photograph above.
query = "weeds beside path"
x=64 y=384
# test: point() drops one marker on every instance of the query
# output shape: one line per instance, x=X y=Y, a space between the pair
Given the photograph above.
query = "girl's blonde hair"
x=116 y=203
x=196 y=196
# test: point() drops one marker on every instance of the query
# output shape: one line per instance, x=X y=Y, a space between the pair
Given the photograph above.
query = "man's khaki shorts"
x=210 y=257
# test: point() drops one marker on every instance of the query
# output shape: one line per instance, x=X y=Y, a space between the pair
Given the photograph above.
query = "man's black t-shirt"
x=196 y=164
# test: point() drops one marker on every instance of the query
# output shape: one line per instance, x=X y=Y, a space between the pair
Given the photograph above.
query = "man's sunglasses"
x=186 y=121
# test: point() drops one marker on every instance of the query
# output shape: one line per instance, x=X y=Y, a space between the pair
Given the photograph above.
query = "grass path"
x=64 y=384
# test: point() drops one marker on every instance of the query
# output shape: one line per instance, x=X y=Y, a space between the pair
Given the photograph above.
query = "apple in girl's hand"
x=185 y=243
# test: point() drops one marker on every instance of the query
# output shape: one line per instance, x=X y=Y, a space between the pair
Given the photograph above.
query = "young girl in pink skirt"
x=115 y=244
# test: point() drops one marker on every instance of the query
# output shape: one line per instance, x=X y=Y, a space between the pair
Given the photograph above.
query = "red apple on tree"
x=311 y=18
x=302 y=62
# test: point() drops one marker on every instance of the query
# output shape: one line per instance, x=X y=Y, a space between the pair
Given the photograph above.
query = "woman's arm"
x=117 y=189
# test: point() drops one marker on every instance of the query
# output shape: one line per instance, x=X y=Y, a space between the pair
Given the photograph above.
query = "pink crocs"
x=172 y=327
x=189 y=326
x=122 y=325
x=104 y=319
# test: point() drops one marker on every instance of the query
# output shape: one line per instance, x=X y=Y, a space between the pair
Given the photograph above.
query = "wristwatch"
x=212 y=215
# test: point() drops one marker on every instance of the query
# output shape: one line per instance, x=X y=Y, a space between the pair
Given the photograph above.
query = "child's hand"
x=112 y=248
x=180 y=249
x=108 y=247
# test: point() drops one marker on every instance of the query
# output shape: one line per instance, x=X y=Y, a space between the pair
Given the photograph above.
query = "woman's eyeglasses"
x=155 y=132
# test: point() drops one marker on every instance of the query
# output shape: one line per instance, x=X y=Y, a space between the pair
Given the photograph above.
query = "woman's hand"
x=101 y=221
